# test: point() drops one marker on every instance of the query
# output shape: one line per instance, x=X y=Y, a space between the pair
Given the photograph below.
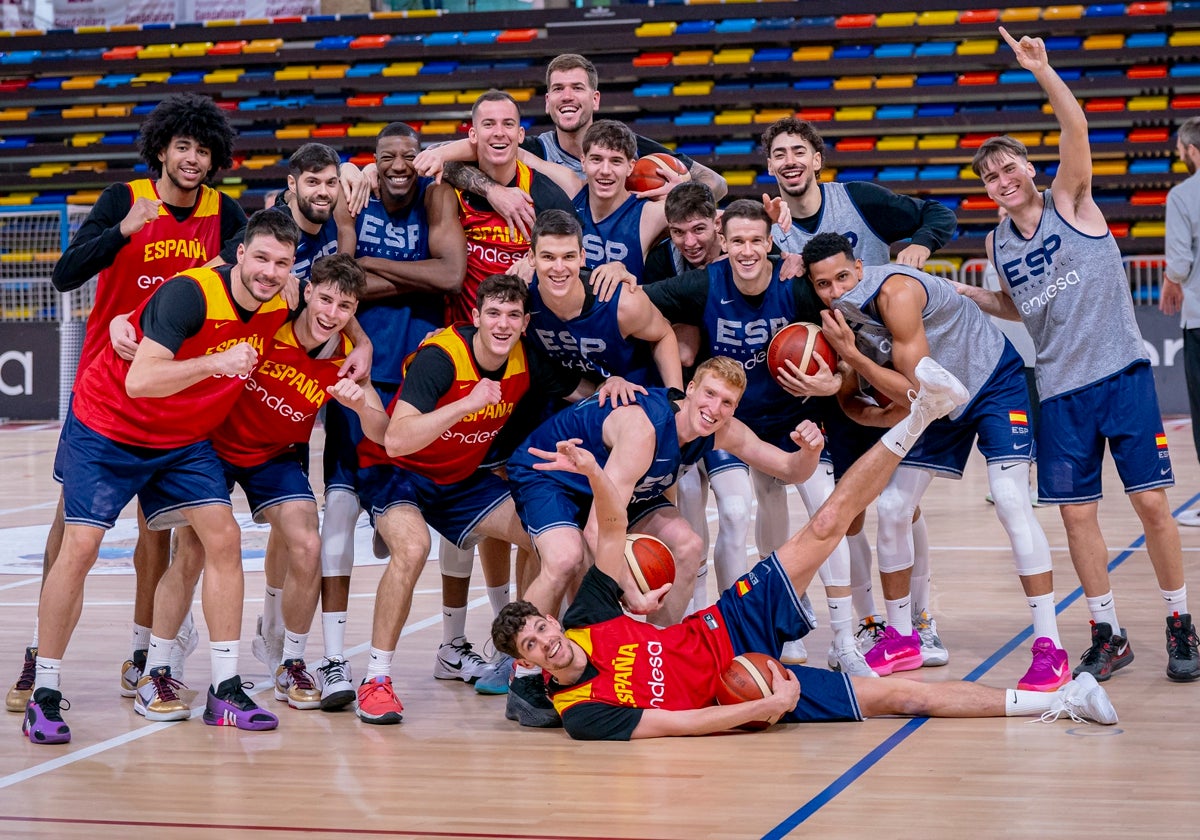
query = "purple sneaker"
x=43 y=721
x=1050 y=669
x=229 y=705
x=894 y=652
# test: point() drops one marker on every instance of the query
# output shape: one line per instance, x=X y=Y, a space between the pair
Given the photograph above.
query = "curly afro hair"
x=187 y=115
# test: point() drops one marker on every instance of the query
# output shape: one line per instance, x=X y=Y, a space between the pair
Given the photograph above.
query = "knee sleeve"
x=1010 y=491
x=337 y=533
x=771 y=521
x=733 y=491
x=817 y=489
x=453 y=561
x=691 y=498
x=895 y=507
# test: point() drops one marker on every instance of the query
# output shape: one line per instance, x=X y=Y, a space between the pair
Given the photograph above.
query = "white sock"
x=34 y=639
x=1045 y=622
x=861 y=586
x=333 y=629
x=899 y=615
x=1104 y=608
x=224 y=657
x=272 y=610
x=158 y=652
x=841 y=617
x=1176 y=601
x=700 y=591
x=293 y=645
x=903 y=436
x=526 y=671
x=919 y=586
x=141 y=637
x=498 y=597
x=454 y=624
x=379 y=663
x=48 y=674
x=1024 y=703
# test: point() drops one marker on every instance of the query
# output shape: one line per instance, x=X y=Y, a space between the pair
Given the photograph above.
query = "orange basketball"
x=650 y=561
x=800 y=342
x=747 y=678
x=645 y=175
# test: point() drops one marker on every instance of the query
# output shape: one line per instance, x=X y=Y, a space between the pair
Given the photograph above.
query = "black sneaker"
x=1183 y=649
x=528 y=704
x=1109 y=652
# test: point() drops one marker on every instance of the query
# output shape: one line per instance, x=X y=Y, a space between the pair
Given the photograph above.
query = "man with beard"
x=312 y=194
x=141 y=428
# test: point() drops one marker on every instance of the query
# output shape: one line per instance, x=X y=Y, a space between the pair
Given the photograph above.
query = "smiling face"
x=185 y=163
x=833 y=276
x=327 y=310
x=1008 y=179
x=500 y=327
x=747 y=242
x=541 y=643
x=696 y=239
x=496 y=131
x=316 y=193
x=263 y=264
x=711 y=402
x=394 y=158
x=794 y=164
x=556 y=260
x=571 y=101
x=606 y=171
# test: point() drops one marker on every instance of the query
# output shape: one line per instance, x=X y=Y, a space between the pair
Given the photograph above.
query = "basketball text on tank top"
x=397 y=325
x=153 y=255
x=459 y=450
x=592 y=341
x=1069 y=287
x=961 y=338
x=839 y=214
x=279 y=407
x=616 y=238
x=190 y=415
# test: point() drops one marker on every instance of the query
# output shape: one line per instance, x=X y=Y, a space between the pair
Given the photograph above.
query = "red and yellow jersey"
x=491 y=248
x=644 y=667
x=280 y=403
x=160 y=250
x=459 y=450
x=190 y=415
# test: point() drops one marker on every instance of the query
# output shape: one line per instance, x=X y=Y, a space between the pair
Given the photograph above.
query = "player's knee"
x=893 y=506
x=733 y=512
x=826 y=524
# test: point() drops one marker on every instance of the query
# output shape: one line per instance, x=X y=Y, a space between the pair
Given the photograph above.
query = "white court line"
x=19 y=583
x=151 y=728
x=196 y=603
x=7 y=511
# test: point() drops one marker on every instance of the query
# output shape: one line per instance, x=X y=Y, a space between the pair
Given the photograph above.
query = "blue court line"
x=874 y=756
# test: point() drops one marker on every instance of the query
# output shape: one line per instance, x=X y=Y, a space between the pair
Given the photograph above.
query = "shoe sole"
x=158 y=717
x=450 y=675
x=527 y=716
x=1044 y=687
x=386 y=719
x=337 y=700
x=1185 y=676
x=906 y=663
x=934 y=660
x=794 y=660
x=222 y=720
x=491 y=690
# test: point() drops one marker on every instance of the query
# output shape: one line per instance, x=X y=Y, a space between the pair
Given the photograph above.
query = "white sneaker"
x=1082 y=699
x=336 y=683
x=933 y=652
x=793 y=653
x=186 y=641
x=940 y=393
x=268 y=651
x=850 y=661
x=457 y=661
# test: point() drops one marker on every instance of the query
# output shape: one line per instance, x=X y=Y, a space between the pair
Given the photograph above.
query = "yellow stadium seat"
x=891 y=82
x=771 y=115
x=888 y=19
x=15 y=114
x=463 y=97
x=740 y=177
x=1190 y=38
x=78 y=112
x=941 y=17
x=1104 y=42
x=938 y=142
x=692 y=57
x=437 y=127
x=1062 y=12
x=192 y=50
x=90 y=138
x=403 y=68
x=294 y=132
x=224 y=76
x=815 y=53
x=114 y=110
x=736 y=56
x=858 y=112
x=1147 y=103
x=739 y=117
x=294 y=73
x=369 y=129
x=983 y=46
x=330 y=71
x=156 y=78
x=896 y=143
x=156 y=51
x=853 y=83
x=263 y=45
x=695 y=88
x=656 y=29
x=1110 y=167
x=48 y=170
x=1148 y=229
x=1021 y=14
x=439 y=97
x=81 y=82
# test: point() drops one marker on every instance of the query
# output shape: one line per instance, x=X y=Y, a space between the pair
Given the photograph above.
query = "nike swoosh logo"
x=222 y=650
x=889 y=655
x=726 y=301
x=1167 y=471
x=1019 y=446
x=341 y=621
x=1058 y=672
x=1106 y=603
x=453 y=666
x=1008 y=466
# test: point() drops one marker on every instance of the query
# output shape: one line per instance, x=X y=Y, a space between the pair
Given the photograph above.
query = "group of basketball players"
x=498 y=332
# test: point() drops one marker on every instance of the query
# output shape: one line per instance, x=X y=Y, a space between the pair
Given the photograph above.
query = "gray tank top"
x=838 y=215
x=961 y=338
x=1073 y=295
x=556 y=154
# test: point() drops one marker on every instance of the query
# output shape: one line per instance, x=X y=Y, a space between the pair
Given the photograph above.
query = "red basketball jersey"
x=491 y=248
x=279 y=406
x=190 y=415
x=157 y=252
x=459 y=450
x=644 y=667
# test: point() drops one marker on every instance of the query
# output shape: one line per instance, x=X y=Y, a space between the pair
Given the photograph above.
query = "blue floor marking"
x=896 y=738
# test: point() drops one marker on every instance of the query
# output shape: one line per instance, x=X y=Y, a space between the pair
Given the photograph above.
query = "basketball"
x=645 y=175
x=650 y=561
x=799 y=342
x=747 y=678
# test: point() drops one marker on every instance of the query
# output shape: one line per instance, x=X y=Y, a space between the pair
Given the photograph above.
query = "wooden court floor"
x=457 y=769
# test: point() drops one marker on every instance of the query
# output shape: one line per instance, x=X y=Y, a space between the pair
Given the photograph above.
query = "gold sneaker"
x=158 y=698
x=22 y=690
x=295 y=685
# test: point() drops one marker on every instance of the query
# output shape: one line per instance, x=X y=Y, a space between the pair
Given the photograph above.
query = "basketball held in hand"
x=745 y=679
x=801 y=342
x=645 y=175
x=650 y=562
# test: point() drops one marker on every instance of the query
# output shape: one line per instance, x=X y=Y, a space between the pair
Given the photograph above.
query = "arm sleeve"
x=646 y=146
x=896 y=217
x=427 y=379
x=95 y=245
x=233 y=228
x=681 y=299
x=174 y=313
x=601 y=722
x=548 y=195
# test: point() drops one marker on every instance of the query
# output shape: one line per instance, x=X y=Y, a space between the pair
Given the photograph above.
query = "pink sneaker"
x=1050 y=669
x=894 y=652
